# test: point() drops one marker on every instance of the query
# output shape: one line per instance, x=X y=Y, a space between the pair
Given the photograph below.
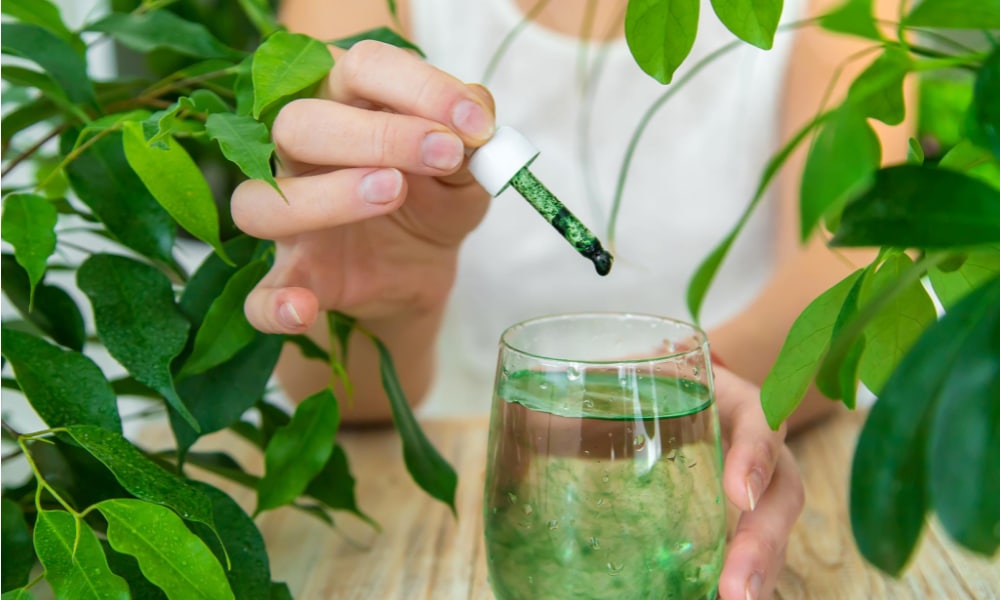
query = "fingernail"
x=472 y=120
x=380 y=187
x=754 y=484
x=753 y=586
x=289 y=317
x=442 y=151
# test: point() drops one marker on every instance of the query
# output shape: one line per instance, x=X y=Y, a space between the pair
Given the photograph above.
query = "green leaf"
x=63 y=386
x=878 y=91
x=853 y=17
x=21 y=594
x=284 y=64
x=379 y=34
x=169 y=555
x=660 y=34
x=168 y=121
x=207 y=102
x=703 y=276
x=74 y=472
x=142 y=477
x=798 y=360
x=753 y=21
x=177 y=183
x=225 y=330
x=218 y=397
x=955 y=14
x=298 y=451
x=279 y=591
x=45 y=14
x=842 y=161
x=102 y=179
x=915 y=206
x=29 y=224
x=74 y=561
x=889 y=478
x=943 y=101
x=127 y=568
x=898 y=324
x=137 y=320
x=22 y=117
x=53 y=54
x=250 y=573
x=429 y=470
x=334 y=485
x=965 y=431
x=308 y=347
x=211 y=277
x=22 y=77
x=162 y=29
x=245 y=142
x=17 y=550
x=837 y=376
x=979 y=266
x=985 y=110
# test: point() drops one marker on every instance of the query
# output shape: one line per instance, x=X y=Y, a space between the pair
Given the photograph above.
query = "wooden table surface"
x=424 y=552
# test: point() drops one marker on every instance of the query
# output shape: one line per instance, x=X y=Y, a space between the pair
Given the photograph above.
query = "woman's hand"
x=761 y=478
x=378 y=199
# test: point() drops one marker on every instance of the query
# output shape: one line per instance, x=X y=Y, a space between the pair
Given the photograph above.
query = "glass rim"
x=697 y=332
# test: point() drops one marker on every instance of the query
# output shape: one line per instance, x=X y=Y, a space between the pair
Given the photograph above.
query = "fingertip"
x=285 y=310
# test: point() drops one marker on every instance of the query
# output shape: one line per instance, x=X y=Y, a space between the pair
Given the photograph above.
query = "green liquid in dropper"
x=556 y=213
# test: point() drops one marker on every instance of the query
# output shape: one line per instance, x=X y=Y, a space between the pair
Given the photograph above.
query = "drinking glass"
x=604 y=473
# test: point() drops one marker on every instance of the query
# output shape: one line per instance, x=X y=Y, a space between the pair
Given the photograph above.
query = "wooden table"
x=423 y=552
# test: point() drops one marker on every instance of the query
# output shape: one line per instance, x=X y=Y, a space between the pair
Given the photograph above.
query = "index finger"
x=376 y=73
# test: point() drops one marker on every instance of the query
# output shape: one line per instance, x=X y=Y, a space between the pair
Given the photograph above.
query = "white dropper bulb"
x=496 y=162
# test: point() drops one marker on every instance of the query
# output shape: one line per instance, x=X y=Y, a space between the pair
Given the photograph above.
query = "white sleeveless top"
x=694 y=171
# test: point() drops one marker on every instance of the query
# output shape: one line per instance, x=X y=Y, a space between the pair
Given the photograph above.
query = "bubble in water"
x=588 y=403
x=639 y=442
x=553 y=524
x=527 y=509
x=682 y=547
x=696 y=371
x=615 y=569
x=595 y=543
x=586 y=452
x=600 y=501
x=672 y=455
x=543 y=386
x=606 y=478
x=512 y=497
x=572 y=373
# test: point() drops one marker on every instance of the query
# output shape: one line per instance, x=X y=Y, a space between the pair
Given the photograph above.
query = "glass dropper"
x=503 y=161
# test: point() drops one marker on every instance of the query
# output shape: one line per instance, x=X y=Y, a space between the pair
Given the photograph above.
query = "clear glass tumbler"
x=604 y=472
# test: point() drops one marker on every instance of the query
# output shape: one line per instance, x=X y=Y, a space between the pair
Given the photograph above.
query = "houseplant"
x=182 y=339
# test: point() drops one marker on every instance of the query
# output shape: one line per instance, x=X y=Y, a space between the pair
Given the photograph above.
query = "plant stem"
x=14 y=162
x=509 y=39
x=42 y=483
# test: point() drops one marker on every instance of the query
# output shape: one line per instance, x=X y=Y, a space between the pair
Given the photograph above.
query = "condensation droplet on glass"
x=639 y=442
x=682 y=547
x=588 y=403
x=595 y=543
x=553 y=524
x=672 y=455
x=512 y=497
x=543 y=386
x=572 y=372
x=586 y=452
x=696 y=371
x=527 y=509
x=606 y=478
x=615 y=570
x=600 y=501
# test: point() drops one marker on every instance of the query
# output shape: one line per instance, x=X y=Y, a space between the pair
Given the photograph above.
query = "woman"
x=380 y=205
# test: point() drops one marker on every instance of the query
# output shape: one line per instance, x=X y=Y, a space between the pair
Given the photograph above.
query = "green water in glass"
x=603 y=486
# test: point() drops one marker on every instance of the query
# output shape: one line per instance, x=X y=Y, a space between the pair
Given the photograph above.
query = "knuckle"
x=353 y=64
x=382 y=138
